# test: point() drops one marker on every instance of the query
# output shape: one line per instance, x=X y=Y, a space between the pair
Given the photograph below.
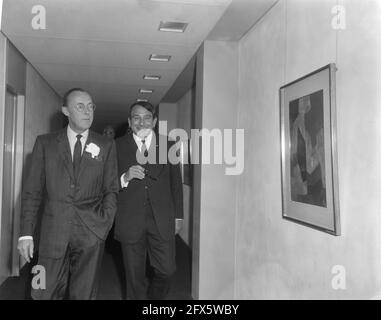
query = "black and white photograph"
x=192 y=155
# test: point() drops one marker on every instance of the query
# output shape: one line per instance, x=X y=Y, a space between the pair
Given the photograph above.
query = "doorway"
x=12 y=179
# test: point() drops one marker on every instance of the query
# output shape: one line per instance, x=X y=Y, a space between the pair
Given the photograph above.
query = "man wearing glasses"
x=73 y=174
x=150 y=207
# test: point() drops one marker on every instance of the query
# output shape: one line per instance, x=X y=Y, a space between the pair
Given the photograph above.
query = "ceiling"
x=104 y=46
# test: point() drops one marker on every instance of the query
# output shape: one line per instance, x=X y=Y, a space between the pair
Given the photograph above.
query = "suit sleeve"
x=119 y=163
x=110 y=184
x=34 y=187
x=177 y=190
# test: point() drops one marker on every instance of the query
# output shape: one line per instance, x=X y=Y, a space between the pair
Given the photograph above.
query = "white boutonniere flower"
x=93 y=149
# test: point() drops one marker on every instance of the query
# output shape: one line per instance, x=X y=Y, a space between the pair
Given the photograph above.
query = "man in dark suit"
x=74 y=171
x=150 y=206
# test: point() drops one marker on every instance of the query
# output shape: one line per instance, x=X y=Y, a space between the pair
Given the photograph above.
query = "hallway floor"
x=111 y=283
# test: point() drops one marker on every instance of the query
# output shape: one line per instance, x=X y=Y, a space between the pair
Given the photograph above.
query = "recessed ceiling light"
x=151 y=77
x=170 y=26
x=159 y=57
x=145 y=90
x=141 y=100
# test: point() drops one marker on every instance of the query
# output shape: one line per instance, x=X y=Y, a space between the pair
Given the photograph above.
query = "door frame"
x=18 y=157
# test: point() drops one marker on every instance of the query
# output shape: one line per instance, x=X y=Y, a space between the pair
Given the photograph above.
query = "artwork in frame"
x=308 y=151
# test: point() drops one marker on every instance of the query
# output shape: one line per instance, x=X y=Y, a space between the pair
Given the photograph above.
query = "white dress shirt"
x=139 y=143
x=72 y=136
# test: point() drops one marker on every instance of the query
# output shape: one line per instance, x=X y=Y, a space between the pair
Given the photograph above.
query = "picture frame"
x=309 y=170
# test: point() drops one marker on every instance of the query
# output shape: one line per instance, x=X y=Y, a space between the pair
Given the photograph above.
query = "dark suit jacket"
x=165 y=194
x=92 y=198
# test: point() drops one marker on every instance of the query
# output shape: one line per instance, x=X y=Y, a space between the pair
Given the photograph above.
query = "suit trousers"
x=162 y=259
x=75 y=275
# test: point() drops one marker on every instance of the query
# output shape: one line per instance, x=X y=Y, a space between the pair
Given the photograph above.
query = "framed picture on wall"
x=308 y=151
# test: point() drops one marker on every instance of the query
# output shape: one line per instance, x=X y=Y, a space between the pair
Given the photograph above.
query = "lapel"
x=65 y=153
x=154 y=169
x=64 y=150
x=132 y=147
x=86 y=157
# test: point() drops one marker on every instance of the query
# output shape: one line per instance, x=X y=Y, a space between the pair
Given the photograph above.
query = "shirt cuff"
x=26 y=238
x=122 y=182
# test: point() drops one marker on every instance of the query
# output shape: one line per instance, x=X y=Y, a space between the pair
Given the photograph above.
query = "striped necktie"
x=144 y=148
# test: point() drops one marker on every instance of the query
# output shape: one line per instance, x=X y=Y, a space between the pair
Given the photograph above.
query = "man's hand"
x=26 y=247
x=179 y=225
x=135 y=172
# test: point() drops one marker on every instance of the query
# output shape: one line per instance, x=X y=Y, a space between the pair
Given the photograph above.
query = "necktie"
x=145 y=152
x=77 y=155
x=144 y=148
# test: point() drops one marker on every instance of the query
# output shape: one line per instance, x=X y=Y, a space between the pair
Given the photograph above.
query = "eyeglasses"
x=83 y=108
x=145 y=119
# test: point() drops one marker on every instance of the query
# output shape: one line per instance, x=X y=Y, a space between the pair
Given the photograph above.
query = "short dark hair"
x=146 y=105
x=65 y=98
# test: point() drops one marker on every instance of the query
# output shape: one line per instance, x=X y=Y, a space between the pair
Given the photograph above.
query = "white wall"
x=185 y=107
x=214 y=192
x=277 y=258
x=168 y=112
x=16 y=69
x=2 y=113
x=1 y=11
x=184 y=121
x=42 y=108
x=179 y=115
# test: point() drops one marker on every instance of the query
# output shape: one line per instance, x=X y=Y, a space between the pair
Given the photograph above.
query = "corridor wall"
x=275 y=258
